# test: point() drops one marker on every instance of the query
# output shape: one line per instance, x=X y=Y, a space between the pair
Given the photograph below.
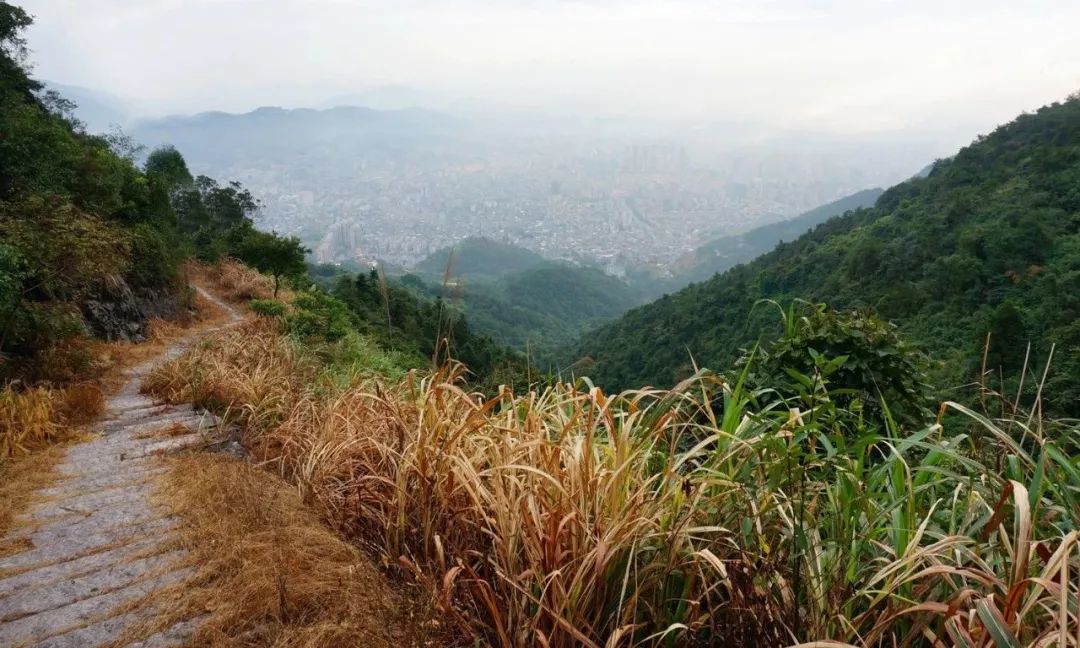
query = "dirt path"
x=93 y=545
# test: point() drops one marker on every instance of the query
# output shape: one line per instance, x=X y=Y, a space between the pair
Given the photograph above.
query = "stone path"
x=94 y=544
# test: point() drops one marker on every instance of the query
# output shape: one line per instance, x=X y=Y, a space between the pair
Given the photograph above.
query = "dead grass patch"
x=269 y=573
x=20 y=478
x=168 y=432
x=29 y=419
x=233 y=281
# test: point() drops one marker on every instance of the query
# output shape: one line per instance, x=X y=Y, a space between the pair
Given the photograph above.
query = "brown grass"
x=523 y=526
x=29 y=419
x=232 y=281
x=20 y=478
x=116 y=358
x=567 y=517
x=269 y=573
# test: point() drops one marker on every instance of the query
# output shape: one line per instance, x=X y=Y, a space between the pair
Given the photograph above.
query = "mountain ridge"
x=986 y=242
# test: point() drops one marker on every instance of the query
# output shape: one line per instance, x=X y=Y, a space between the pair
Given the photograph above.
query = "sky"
x=856 y=66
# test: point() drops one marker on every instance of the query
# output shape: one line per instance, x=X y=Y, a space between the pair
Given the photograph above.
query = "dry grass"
x=525 y=525
x=28 y=419
x=568 y=517
x=232 y=281
x=116 y=358
x=269 y=573
x=34 y=417
x=20 y=478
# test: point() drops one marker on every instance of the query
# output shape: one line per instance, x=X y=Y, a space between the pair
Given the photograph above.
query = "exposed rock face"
x=120 y=313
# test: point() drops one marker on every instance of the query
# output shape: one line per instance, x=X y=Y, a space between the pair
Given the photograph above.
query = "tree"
x=13 y=21
x=275 y=255
x=166 y=165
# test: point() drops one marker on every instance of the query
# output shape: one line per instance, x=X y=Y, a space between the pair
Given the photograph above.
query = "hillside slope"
x=477 y=257
x=727 y=251
x=987 y=242
x=542 y=309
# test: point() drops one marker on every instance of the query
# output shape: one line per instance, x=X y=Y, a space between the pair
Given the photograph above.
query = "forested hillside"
x=521 y=299
x=477 y=257
x=986 y=243
x=722 y=253
x=90 y=241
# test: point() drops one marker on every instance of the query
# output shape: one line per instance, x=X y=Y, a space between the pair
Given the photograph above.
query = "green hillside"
x=91 y=242
x=727 y=251
x=478 y=257
x=521 y=299
x=987 y=242
x=544 y=308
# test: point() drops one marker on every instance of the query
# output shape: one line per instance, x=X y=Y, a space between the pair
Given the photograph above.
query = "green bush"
x=267 y=307
x=154 y=261
x=859 y=360
x=318 y=315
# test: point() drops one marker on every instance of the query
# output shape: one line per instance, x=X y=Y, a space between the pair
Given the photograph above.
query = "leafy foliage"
x=860 y=360
x=267 y=307
x=274 y=255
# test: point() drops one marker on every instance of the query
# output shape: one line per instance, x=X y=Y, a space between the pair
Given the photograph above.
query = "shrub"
x=857 y=358
x=154 y=260
x=318 y=315
x=267 y=307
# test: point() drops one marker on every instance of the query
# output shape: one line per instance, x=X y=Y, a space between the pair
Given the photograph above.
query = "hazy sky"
x=860 y=65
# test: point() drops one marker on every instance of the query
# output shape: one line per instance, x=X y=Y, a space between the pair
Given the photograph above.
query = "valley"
x=651 y=326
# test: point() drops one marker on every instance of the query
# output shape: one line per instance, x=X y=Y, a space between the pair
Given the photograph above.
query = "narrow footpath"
x=93 y=546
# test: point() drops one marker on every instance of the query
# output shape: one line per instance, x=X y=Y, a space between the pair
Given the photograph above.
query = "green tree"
x=166 y=165
x=275 y=255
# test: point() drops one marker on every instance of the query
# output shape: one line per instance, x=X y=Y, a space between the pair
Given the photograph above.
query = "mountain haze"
x=521 y=299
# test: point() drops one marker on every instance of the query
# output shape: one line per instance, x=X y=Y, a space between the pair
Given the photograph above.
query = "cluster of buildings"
x=633 y=206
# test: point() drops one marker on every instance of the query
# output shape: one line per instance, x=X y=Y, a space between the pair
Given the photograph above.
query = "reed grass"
x=569 y=517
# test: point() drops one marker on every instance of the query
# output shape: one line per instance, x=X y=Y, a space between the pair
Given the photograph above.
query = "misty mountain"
x=217 y=139
x=98 y=110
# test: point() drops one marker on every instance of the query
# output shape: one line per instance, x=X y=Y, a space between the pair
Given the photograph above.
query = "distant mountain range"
x=222 y=138
x=99 y=111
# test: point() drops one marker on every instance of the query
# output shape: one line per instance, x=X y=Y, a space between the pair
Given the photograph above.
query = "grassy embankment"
x=569 y=517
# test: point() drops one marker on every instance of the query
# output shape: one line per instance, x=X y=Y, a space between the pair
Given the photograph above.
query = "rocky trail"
x=92 y=546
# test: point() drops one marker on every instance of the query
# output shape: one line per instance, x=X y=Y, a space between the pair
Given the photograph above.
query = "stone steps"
x=93 y=546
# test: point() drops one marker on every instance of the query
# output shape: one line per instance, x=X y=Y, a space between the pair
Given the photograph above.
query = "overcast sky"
x=854 y=65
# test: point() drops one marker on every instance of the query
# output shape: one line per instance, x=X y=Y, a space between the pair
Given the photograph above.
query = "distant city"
x=360 y=186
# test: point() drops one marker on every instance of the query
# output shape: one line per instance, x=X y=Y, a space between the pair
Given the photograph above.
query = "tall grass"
x=231 y=280
x=569 y=517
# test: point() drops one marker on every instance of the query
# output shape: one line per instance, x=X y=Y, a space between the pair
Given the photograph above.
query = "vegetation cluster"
x=719 y=512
